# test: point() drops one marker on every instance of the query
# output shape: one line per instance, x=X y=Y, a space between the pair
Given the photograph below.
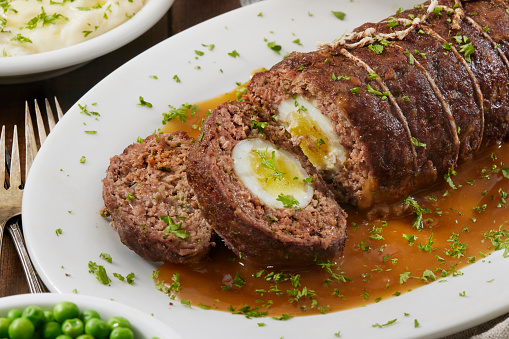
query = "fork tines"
x=14 y=179
x=31 y=143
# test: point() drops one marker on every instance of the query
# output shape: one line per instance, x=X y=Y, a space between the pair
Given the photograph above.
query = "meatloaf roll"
x=152 y=206
x=404 y=100
x=260 y=193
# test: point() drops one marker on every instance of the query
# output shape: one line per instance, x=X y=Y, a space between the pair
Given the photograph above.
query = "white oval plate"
x=34 y=67
x=143 y=325
x=63 y=193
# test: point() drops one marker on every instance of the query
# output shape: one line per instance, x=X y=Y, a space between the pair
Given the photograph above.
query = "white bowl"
x=40 y=66
x=143 y=325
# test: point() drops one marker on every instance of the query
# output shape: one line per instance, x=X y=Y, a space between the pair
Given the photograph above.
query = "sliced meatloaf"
x=408 y=98
x=152 y=206
x=258 y=228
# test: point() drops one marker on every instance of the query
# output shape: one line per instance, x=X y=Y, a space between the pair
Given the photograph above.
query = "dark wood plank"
x=187 y=13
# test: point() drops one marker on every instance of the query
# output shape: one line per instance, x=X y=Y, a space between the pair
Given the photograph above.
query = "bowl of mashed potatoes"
x=45 y=38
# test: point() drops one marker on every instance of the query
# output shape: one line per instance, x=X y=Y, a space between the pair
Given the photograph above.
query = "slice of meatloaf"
x=152 y=206
x=254 y=229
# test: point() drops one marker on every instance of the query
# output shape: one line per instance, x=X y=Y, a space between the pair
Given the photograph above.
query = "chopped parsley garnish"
x=390 y=322
x=378 y=49
x=174 y=229
x=106 y=257
x=100 y=272
x=319 y=142
x=467 y=50
x=427 y=247
x=355 y=90
x=275 y=47
x=270 y=164
x=238 y=281
x=45 y=19
x=448 y=178
x=339 y=15
x=234 y=54
x=416 y=143
x=259 y=126
x=283 y=317
x=288 y=201
x=418 y=222
x=181 y=112
x=411 y=58
x=340 y=77
x=144 y=103
x=371 y=90
x=21 y=38
x=84 y=110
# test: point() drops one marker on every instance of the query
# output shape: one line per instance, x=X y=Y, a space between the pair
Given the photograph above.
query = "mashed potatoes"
x=35 y=26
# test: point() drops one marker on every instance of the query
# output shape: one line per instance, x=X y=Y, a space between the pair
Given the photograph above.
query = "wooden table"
x=70 y=87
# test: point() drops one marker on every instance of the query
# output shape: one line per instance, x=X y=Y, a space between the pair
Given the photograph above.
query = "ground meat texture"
x=253 y=230
x=441 y=83
x=146 y=182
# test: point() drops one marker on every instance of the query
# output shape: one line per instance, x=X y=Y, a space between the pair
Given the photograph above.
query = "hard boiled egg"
x=272 y=174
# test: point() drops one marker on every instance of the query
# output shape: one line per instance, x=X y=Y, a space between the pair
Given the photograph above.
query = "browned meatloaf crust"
x=444 y=76
x=146 y=182
x=253 y=230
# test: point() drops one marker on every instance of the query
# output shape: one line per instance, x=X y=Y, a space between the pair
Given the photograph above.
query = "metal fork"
x=31 y=151
x=10 y=192
x=11 y=195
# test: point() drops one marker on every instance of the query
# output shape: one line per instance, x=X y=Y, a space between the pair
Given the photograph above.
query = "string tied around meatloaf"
x=370 y=35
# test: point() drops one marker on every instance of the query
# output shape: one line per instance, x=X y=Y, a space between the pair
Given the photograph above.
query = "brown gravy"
x=380 y=259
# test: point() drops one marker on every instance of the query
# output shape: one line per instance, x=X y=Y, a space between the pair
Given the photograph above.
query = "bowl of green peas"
x=73 y=316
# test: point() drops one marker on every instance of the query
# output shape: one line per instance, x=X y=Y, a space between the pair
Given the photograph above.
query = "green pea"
x=13 y=314
x=63 y=336
x=65 y=310
x=85 y=336
x=97 y=328
x=35 y=314
x=72 y=327
x=21 y=328
x=117 y=321
x=4 y=327
x=86 y=315
x=51 y=330
x=48 y=315
x=121 y=333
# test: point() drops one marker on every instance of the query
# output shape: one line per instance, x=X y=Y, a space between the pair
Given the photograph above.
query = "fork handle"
x=32 y=278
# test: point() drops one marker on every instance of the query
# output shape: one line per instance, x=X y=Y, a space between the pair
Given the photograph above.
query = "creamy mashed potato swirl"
x=35 y=26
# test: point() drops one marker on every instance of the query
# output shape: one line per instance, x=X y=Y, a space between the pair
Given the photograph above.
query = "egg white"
x=242 y=168
x=337 y=154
